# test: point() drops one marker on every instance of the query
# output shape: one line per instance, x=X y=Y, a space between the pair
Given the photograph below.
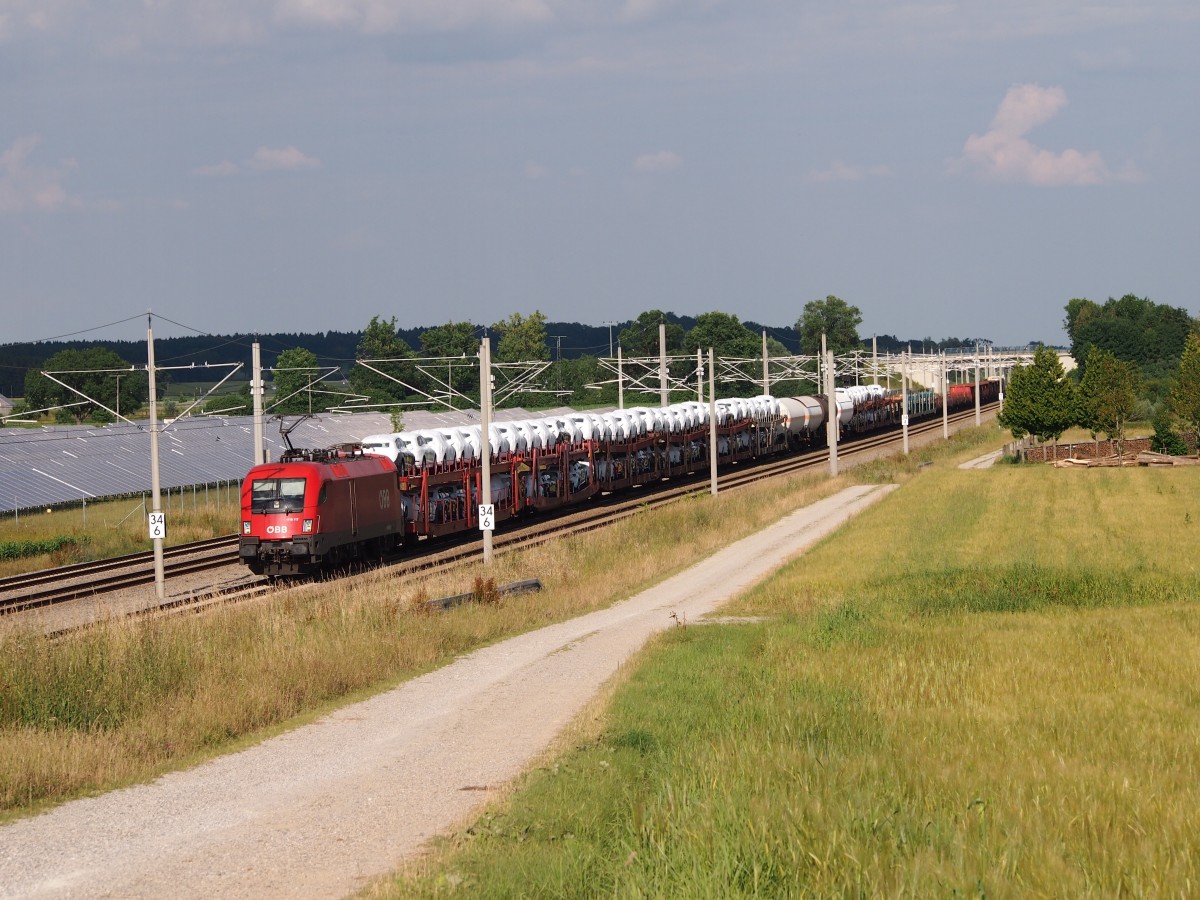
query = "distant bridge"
x=963 y=365
x=641 y=376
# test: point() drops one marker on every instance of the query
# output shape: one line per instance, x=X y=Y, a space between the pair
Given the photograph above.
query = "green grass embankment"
x=988 y=684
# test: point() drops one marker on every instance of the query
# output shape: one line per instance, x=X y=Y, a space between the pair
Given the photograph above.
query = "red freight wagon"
x=961 y=395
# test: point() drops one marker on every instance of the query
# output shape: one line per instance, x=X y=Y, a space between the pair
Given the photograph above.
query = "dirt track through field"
x=320 y=810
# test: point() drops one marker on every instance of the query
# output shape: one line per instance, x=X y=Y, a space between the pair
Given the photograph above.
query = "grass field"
x=113 y=527
x=127 y=700
x=986 y=685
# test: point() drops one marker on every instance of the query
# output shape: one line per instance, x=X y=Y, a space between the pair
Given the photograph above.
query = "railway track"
x=89 y=579
x=104 y=577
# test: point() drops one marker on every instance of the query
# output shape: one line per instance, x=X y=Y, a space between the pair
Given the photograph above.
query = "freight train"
x=319 y=509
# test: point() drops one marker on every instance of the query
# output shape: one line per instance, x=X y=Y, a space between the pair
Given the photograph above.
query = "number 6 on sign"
x=158 y=526
x=487 y=516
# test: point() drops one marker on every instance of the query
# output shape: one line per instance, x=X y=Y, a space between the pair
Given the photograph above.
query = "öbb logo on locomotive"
x=310 y=511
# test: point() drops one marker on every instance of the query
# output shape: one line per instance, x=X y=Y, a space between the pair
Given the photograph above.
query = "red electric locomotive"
x=318 y=508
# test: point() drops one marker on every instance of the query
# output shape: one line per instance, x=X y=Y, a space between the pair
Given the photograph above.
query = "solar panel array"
x=42 y=467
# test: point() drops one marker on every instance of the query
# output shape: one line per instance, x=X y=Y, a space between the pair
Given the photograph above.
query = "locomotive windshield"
x=277 y=495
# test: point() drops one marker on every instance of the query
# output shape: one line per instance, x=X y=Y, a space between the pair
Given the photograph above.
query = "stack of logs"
x=1144 y=458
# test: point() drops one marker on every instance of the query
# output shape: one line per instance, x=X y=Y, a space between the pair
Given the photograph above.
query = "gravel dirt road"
x=320 y=810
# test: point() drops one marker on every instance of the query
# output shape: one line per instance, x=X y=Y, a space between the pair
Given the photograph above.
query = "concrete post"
x=160 y=589
x=256 y=392
x=485 y=428
x=620 y=380
x=712 y=425
x=664 y=393
x=766 y=366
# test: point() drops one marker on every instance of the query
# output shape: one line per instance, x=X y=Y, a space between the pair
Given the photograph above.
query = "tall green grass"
x=986 y=685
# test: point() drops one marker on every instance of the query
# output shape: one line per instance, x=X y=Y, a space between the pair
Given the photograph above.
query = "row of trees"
x=391 y=372
x=1149 y=335
x=394 y=373
x=96 y=372
x=1043 y=401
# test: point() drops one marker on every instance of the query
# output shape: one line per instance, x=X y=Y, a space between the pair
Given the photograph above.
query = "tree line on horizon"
x=1136 y=360
x=573 y=375
x=572 y=352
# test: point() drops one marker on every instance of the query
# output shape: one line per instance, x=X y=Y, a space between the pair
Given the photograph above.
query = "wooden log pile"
x=1142 y=458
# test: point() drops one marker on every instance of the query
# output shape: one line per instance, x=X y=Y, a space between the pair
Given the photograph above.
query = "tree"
x=640 y=338
x=522 y=338
x=380 y=342
x=1040 y=399
x=451 y=339
x=294 y=372
x=729 y=339
x=833 y=317
x=1165 y=439
x=1185 y=392
x=1108 y=394
x=236 y=403
x=461 y=340
x=81 y=368
x=725 y=334
x=1135 y=329
x=575 y=375
x=776 y=348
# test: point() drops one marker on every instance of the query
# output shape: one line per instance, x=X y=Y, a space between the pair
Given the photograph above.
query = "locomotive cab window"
x=277 y=495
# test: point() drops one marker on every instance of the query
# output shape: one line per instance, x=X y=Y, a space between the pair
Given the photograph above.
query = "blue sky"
x=951 y=168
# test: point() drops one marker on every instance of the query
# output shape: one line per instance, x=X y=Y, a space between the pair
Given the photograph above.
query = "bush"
x=1145 y=410
x=1166 y=440
x=21 y=549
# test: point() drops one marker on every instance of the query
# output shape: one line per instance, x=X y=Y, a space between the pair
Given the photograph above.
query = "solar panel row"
x=64 y=464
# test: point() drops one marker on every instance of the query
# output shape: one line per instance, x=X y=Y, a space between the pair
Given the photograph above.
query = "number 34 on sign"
x=487 y=516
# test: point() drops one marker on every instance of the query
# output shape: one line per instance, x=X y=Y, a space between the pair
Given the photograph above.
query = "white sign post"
x=158 y=526
x=487 y=516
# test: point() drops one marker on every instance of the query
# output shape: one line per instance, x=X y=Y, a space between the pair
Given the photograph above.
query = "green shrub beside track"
x=22 y=549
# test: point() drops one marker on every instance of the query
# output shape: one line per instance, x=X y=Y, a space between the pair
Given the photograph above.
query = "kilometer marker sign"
x=487 y=516
x=158 y=526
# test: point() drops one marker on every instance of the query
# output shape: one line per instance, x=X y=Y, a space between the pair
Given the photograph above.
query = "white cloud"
x=843 y=171
x=24 y=186
x=1003 y=153
x=383 y=16
x=535 y=170
x=657 y=162
x=218 y=170
x=283 y=159
x=265 y=159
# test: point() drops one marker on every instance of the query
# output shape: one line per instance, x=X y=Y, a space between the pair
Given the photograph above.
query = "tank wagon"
x=321 y=508
x=867 y=408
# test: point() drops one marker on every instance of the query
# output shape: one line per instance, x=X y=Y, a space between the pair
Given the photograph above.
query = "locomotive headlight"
x=245 y=527
x=308 y=526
